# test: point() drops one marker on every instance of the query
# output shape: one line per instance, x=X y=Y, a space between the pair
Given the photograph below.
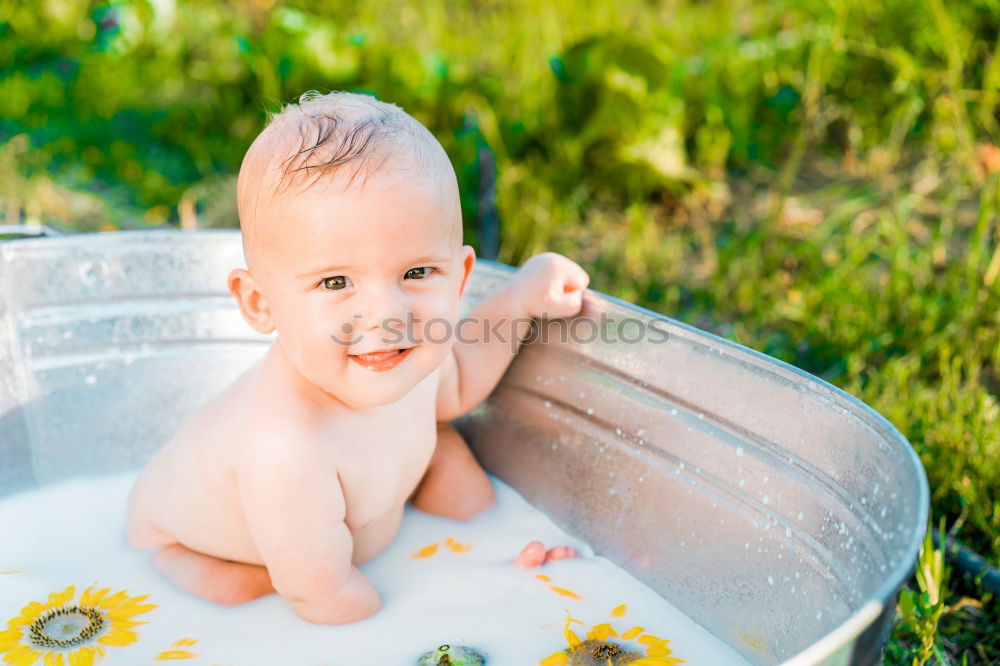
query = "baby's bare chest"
x=379 y=468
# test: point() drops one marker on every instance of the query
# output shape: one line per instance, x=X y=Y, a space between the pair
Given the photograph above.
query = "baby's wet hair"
x=341 y=128
x=329 y=137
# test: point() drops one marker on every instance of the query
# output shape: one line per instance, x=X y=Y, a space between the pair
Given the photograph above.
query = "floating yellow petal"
x=558 y=659
x=449 y=541
x=563 y=592
x=426 y=551
x=601 y=632
x=175 y=655
x=632 y=633
x=543 y=577
x=619 y=611
x=10 y=573
x=184 y=642
x=460 y=547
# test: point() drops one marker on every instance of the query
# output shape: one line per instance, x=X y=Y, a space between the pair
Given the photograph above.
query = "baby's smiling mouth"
x=381 y=360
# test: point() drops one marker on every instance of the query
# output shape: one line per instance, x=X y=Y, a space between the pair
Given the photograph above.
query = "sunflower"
x=598 y=648
x=72 y=634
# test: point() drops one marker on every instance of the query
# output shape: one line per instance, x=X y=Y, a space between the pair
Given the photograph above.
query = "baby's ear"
x=251 y=300
x=468 y=261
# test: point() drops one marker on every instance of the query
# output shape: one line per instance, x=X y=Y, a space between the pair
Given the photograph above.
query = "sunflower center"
x=66 y=627
x=592 y=652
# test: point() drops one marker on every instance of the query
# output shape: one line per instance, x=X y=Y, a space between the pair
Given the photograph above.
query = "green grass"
x=817 y=180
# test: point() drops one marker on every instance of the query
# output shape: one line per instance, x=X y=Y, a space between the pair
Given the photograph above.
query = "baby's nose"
x=386 y=308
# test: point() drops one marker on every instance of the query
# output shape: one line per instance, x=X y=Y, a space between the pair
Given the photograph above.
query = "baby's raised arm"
x=295 y=512
x=547 y=285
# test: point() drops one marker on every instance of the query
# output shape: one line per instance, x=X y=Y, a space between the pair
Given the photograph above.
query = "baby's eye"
x=418 y=273
x=334 y=283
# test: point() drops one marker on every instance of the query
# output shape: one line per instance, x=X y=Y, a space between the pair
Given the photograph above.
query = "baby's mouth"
x=381 y=360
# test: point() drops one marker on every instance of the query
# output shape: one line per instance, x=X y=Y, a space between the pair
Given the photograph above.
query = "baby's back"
x=188 y=494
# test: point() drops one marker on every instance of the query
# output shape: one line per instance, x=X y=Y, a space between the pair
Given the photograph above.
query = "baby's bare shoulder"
x=245 y=423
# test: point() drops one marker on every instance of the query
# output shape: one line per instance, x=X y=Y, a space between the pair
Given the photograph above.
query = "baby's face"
x=364 y=285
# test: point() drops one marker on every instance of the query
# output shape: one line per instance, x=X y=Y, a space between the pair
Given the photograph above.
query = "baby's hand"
x=551 y=286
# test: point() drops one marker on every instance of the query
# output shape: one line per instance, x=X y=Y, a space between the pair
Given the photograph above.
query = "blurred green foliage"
x=817 y=179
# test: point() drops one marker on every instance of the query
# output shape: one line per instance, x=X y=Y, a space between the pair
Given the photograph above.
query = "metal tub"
x=773 y=508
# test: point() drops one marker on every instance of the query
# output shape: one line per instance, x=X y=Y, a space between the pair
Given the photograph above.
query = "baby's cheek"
x=435 y=316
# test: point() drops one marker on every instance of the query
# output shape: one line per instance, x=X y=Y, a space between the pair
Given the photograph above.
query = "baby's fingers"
x=575 y=278
x=565 y=303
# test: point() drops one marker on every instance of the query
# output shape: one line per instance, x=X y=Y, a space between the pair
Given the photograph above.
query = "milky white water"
x=72 y=534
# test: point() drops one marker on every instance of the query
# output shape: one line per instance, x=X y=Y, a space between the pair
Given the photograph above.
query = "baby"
x=298 y=472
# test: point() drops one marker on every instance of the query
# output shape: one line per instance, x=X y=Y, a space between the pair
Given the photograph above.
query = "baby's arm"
x=547 y=285
x=295 y=512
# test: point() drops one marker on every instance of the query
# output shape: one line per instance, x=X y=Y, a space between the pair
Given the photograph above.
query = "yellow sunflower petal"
x=54 y=659
x=82 y=657
x=126 y=624
x=124 y=613
x=650 y=639
x=9 y=639
x=28 y=615
x=659 y=652
x=558 y=659
x=57 y=599
x=184 y=642
x=115 y=599
x=619 y=611
x=563 y=592
x=426 y=551
x=133 y=602
x=92 y=597
x=632 y=633
x=118 y=638
x=22 y=655
x=600 y=632
x=18 y=623
x=174 y=655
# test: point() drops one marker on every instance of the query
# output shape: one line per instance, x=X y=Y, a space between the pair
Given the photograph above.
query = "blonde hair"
x=321 y=137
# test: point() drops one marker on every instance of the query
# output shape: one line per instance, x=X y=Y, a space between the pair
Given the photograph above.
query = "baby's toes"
x=560 y=553
x=531 y=555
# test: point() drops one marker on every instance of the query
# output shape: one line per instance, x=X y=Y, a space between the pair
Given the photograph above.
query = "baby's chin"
x=369 y=396
x=365 y=388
